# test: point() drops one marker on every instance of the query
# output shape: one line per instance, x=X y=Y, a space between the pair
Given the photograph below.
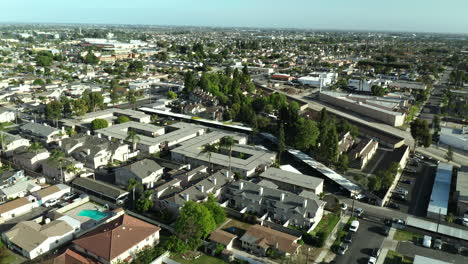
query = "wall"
x=73 y=205
x=403 y=161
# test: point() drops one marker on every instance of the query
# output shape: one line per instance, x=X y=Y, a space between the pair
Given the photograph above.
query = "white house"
x=6 y=115
x=52 y=192
x=19 y=189
x=17 y=207
x=30 y=159
x=12 y=142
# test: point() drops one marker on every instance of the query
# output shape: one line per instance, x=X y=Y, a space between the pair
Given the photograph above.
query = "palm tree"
x=227 y=142
x=2 y=142
x=208 y=149
x=56 y=154
x=71 y=132
x=133 y=137
x=35 y=147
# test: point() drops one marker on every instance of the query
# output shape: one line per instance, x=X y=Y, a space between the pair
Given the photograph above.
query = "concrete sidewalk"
x=327 y=255
x=388 y=244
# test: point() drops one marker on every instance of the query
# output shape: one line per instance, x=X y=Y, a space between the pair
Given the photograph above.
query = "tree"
x=190 y=82
x=218 y=213
x=377 y=90
x=436 y=122
x=449 y=155
x=35 y=147
x=195 y=222
x=56 y=154
x=71 y=168
x=209 y=149
x=136 y=66
x=145 y=202
x=131 y=98
x=90 y=58
x=122 y=119
x=281 y=143
x=343 y=162
x=54 y=111
x=98 y=123
x=374 y=184
x=94 y=100
x=71 y=131
x=38 y=82
x=133 y=137
x=114 y=96
x=227 y=142
x=171 y=95
x=80 y=108
x=421 y=133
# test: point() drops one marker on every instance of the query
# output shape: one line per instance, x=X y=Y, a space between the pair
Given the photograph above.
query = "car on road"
x=342 y=249
x=344 y=206
x=50 y=203
x=354 y=226
x=375 y=252
x=358 y=212
x=393 y=206
x=385 y=230
x=438 y=244
x=372 y=260
x=427 y=241
x=407 y=181
x=348 y=238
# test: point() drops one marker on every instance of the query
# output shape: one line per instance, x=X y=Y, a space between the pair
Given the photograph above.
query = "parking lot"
x=365 y=239
x=419 y=190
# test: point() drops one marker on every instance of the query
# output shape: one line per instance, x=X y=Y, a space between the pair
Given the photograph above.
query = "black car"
x=388 y=222
x=348 y=238
x=406 y=181
x=375 y=252
x=385 y=230
x=399 y=196
x=394 y=206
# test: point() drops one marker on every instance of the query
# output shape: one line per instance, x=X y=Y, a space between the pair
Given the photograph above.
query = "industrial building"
x=438 y=205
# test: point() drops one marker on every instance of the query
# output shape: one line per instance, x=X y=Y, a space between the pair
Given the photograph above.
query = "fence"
x=281 y=228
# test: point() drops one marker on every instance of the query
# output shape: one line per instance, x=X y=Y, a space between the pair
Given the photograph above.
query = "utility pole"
x=438 y=222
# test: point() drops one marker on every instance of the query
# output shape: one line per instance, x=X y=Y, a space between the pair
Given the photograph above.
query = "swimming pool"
x=93 y=214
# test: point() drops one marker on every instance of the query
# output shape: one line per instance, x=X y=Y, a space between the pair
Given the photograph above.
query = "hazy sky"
x=397 y=15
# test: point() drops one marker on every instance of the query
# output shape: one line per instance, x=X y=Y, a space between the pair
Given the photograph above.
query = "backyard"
x=203 y=259
x=402 y=235
x=394 y=257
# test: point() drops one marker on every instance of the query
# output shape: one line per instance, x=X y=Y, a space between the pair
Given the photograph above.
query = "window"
x=56 y=241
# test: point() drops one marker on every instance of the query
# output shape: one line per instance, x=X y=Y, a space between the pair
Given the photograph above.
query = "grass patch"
x=203 y=259
x=327 y=224
x=402 y=235
x=394 y=257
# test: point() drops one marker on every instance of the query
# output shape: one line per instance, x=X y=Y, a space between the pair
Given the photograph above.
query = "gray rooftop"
x=441 y=189
x=39 y=129
x=301 y=180
x=462 y=184
x=143 y=168
x=100 y=187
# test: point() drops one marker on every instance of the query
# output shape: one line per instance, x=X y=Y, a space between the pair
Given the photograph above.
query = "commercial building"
x=438 y=205
x=461 y=193
x=457 y=138
x=386 y=110
x=293 y=182
x=244 y=159
x=319 y=79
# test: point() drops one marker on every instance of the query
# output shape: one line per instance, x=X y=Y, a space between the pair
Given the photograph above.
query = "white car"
x=360 y=196
x=354 y=226
x=465 y=221
x=344 y=207
x=427 y=241
x=372 y=260
x=50 y=203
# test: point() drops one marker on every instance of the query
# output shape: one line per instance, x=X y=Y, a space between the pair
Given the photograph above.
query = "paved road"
x=366 y=238
x=440 y=153
x=410 y=249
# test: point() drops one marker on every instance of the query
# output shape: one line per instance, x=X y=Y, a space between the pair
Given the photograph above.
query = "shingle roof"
x=270 y=238
x=222 y=237
x=114 y=238
x=143 y=168
x=39 y=129
x=99 y=187
x=11 y=205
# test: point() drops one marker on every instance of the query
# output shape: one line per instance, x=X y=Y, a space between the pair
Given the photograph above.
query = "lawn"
x=327 y=224
x=203 y=259
x=394 y=257
x=402 y=235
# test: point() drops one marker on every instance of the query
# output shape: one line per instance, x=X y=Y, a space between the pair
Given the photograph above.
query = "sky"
x=445 y=16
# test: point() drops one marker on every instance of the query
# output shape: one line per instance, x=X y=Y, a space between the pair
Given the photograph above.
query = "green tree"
x=377 y=90
x=131 y=98
x=227 y=142
x=195 y=222
x=449 y=155
x=98 y=123
x=281 y=143
x=133 y=137
x=171 y=95
x=122 y=119
x=94 y=100
x=190 y=82
x=90 y=58
x=35 y=147
x=218 y=213
x=136 y=66
x=343 y=162
x=54 y=111
x=80 y=107
x=38 y=82
x=145 y=202
x=421 y=133
x=374 y=183
x=209 y=149
x=71 y=131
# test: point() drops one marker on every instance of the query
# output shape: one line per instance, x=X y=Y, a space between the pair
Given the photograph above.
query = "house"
x=17 y=207
x=8 y=178
x=303 y=210
x=32 y=239
x=345 y=142
x=42 y=133
x=145 y=171
x=222 y=237
x=118 y=241
x=7 y=115
x=110 y=114
x=293 y=182
x=19 y=189
x=199 y=96
x=30 y=159
x=51 y=193
x=364 y=151
x=94 y=152
x=72 y=257
x=62 y=170
x=12 y=142
x=260 y=239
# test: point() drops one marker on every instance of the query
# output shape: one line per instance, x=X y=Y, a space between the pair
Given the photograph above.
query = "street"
x=366 y=238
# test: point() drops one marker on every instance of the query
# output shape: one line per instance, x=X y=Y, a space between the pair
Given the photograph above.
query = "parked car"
x=372 y=260
x=399 y=221
x=354 y=226
x=348 y=238
x=360 y=196
x=388 y=222
x=407 y=181
x=344 y=206
x=68 y=196
x=342 y=249
x=358 y=212
x=399 y=196
x=427 y=241
x=51 y=203
x=400 y=190
x=375 y=252
x=438 y=243
x=419 y=156
x=393 y=206
x=465 y=221
x=385 y=230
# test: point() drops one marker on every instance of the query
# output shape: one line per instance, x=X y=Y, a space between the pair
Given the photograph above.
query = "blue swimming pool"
x=93 y=214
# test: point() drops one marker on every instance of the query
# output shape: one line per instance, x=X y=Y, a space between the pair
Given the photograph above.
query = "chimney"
x=305 y=203
x=202 y=188
x=88 y=132
x=260 y=191
x=241 y=185
x=63 y=129
x=282 y=197
x=99 y=135
x=186 y=197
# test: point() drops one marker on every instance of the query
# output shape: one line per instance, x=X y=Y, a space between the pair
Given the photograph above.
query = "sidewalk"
x=326 y=255
x=388 y=244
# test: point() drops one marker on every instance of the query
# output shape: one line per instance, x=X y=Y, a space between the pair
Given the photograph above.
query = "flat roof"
x=100 y=187
x=441 y=189
x=432 y=226
x=301 y=180
x=425 y=260
x=462 y=184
